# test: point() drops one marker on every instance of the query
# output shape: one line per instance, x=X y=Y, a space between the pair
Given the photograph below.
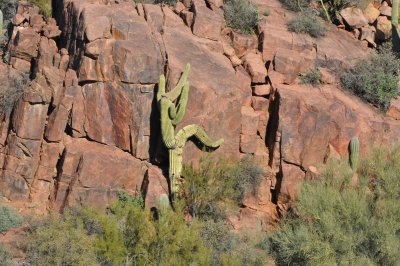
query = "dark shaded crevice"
x=272 y=125
x=57 y=179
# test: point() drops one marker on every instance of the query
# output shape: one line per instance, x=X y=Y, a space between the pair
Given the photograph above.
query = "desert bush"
x=374 y=79
x=339 y=222
x=241 y=15
x=9 y=8
x=5 y=258
x=218 y=185
x=60 y=241
x=308 y=22
x=44 y=7
x=126 y=235
x=311 y=77
x=267 y=12
x=9 y=95
x=9 y=219
x=295 y=5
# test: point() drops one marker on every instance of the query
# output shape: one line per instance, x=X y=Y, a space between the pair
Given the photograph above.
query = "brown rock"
x=385 y=11
x=262 y=90
x=383 y=28
x=292 y=176
x=245 y=85
x=156 y=184
x=26 y=44
x=207 y=24
x=243 y=43
x=354 y=17
x=107 y=114
x=187 y=17
x=291 y=63
x=368 y=34
x=274 y=38
x=371 y=13
x=29 y=120
x=254 y=64
x=260 y=103
x=249 y=121
x=394 y=109
x=92 y=173
x=179 y=7
x=248 y=143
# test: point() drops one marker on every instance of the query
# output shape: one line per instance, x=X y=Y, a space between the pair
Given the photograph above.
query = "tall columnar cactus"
x=1 y=26
x=395 y=25
x=172 y=112
x=354 y=152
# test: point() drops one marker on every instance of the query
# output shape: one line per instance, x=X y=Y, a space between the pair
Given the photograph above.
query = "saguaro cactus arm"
x=194 y=130
x=181 y=108
x=167 y=129
x=176 y=92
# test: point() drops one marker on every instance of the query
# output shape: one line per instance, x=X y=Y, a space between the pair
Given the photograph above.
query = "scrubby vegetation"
x=8 y=218
x=339 y=221
x=308 y=22
x=311 y=77
x=9 y=95
x=44 y=7
x=5 y=258
x=128 y=234
x=218 y=186
x=374 y=79
x=241 y=15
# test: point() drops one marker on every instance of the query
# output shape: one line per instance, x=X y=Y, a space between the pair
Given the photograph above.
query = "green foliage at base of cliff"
x=216 y=186
x=341 y=219
x=9 y=219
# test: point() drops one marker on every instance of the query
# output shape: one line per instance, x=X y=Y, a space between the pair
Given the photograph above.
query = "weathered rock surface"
x=87 y=127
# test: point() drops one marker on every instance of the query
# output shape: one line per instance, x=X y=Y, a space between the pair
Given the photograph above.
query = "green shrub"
x=219 y=185
x=126 y=235
x=44 y=7
x=241 y=15
x=60 y=242
x=267 y=12
x=338 y=222
x=11 y=94
x=9 y=219
x=311 y=77
x=374 y=79
x=5 y=258
x=308 y=22
x=295 y=5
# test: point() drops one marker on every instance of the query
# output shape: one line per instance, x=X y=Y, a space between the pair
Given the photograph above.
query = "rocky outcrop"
x=87 y=126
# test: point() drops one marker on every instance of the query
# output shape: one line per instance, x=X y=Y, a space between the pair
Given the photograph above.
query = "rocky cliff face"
x=86 y=127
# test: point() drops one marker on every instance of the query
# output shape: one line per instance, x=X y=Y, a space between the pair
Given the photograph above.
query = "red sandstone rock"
x=394 y=109
x=156 y=184
x=243 y=43
x=249 y=121
x=354 y=17
x=255 y=66
x=206 y=23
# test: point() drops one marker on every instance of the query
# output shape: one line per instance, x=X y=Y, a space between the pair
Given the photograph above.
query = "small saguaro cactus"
x=172 y=107
x=1 y=26
x=354 y=152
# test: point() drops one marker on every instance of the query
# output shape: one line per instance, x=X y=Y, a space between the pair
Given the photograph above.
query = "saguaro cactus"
x=395 y=25
x=354 y=152
x=172 y=112
x=1 y=26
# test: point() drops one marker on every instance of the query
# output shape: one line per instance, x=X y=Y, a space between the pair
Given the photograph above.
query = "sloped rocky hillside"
x=87 y=125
